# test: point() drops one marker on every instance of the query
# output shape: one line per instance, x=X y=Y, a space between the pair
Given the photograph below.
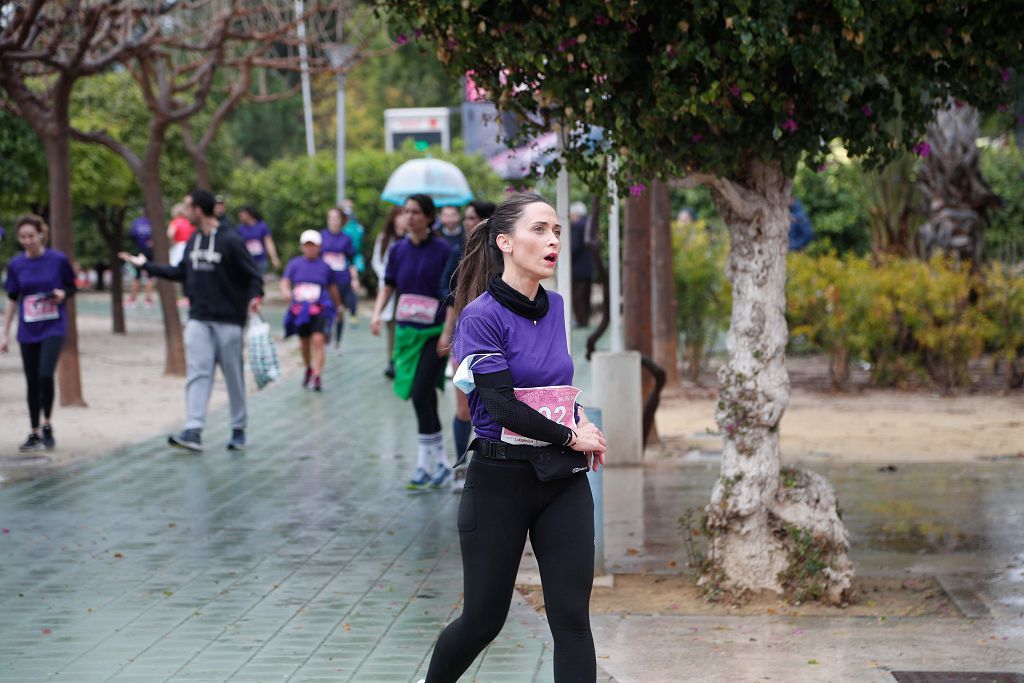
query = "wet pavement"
x=304 y=559
x=301 y=559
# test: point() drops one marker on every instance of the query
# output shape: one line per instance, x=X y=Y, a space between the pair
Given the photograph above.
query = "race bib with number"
x=337 y=260
x=306 y=291
x=416 y=308
x=39 y=307
x=555 y=403
x=255 y=247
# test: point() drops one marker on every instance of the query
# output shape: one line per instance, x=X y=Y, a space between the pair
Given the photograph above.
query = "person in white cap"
x=222 y=284
x=309 y=284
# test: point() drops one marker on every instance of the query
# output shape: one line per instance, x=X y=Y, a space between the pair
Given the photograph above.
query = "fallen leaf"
x=347 y=627
x=47 y=631
x=119 y=556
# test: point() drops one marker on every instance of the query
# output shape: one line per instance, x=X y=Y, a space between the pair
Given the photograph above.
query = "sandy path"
x=872 y=426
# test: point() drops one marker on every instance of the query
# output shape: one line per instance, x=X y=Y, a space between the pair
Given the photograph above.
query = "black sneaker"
x=316 y=386
x=190 y=440
x=33 y=443
x=237 y=442
x=48 y=441
x=389 y=372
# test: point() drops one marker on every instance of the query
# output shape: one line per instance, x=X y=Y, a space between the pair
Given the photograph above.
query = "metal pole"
x=614 y=262
x=340 y=193
x=307 y=97
x=565 y=257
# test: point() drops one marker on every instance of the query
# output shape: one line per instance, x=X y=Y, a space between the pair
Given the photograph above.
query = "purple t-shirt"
x=416 y=270
x=253 y=236
x=141 y=234
x=311 y=280
x=535 y=355
x=29 y=280
x=339 y=252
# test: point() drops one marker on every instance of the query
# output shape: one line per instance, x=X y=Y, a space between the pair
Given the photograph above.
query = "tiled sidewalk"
x=302 y=559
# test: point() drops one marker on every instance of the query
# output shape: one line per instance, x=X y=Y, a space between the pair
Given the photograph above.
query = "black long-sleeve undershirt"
x=499 y=397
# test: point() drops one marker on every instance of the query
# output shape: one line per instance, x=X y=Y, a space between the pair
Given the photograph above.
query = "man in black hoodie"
x=222 y=283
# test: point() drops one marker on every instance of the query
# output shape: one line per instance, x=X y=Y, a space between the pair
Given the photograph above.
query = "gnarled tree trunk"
x=761 y=525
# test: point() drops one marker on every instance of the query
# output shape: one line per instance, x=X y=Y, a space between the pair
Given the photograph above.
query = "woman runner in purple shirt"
x=413 y=274
x=38 y=283
x=515 y=367
x=308 y=283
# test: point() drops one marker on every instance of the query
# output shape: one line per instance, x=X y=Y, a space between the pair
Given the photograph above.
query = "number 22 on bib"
x=555 y=403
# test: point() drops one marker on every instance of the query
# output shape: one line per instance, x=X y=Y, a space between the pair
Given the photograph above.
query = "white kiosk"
x=429 y=125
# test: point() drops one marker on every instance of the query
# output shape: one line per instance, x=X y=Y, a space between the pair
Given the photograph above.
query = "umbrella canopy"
x=441 y=180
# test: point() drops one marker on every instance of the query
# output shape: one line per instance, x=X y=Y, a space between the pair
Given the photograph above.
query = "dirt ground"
x=863 y=425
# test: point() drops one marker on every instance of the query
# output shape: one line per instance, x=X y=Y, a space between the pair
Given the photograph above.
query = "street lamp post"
x=339 y=55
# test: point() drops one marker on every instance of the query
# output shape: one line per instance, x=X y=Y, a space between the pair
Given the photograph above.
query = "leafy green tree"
x=733 y=94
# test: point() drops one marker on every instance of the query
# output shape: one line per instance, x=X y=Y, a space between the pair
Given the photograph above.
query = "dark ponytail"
x=483 y=258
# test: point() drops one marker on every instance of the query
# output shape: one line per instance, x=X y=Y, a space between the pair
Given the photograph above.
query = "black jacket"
x=219 y=282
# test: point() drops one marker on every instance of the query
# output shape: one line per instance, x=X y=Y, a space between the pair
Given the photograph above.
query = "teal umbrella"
x=441 y=180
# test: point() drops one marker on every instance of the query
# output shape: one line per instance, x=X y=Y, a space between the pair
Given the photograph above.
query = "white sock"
x=424 y=451
x=440 y=454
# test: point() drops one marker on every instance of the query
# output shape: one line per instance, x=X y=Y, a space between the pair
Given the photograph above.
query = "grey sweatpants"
x=207 y=345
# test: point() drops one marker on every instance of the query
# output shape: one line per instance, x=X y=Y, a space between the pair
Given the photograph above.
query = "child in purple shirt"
x=38 y=284
x=309 y=284
x=258 y=241
x=517 y=372
x=413 y=274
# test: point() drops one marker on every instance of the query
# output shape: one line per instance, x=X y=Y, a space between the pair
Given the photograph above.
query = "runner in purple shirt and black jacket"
x=533 y=448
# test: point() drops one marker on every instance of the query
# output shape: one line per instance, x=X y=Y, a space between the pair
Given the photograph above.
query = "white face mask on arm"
x=464 y=380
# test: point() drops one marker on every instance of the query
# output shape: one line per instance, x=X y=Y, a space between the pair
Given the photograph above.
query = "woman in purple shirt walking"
x=533 y=447
x=413 y=274
x=38 y=283
x=309 y=284
x=339 y=252
x=258 y=240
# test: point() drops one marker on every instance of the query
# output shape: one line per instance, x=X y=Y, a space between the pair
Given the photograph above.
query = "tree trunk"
x=149 y=179
x=202 y=168
x=663 y=286
x=636 y=283
x=762 y=528
x=111 y=226
x=57 y=143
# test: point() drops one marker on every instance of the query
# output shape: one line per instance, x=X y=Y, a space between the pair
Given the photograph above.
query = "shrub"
x=703 y=295
x=294 y=193
x=1003 y=168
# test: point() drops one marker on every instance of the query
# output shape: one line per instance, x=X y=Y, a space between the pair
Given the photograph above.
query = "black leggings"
x=502 y=501
x=424 y=388
x=40 y=362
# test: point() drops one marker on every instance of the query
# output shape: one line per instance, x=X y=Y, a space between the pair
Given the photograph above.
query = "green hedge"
x=911 y=321
x=294 y=193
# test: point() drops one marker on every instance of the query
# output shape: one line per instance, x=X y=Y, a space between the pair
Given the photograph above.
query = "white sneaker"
x=458 y=481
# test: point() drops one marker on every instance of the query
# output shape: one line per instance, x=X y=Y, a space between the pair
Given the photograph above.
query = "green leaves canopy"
x=708 y=85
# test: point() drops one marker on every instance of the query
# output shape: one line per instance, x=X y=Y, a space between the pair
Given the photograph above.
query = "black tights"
x=502 y=502
x=424 y=388
x=40 y=362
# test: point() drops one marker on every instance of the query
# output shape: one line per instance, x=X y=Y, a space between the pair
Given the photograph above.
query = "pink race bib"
x=416 y=308
x=336 y=260
x=39 y=307
x=255 y=247
x=306 y=291
x=555 y=403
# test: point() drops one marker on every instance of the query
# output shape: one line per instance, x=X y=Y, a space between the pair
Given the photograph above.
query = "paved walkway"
x=302 y=559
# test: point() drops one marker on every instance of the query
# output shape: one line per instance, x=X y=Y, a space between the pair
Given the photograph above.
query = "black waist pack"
x=549 y=462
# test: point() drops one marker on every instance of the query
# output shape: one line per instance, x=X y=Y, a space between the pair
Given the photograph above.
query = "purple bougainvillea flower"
x=922 y=149
x=602 y=20
x=637 y=190
x=1002 y=108
x=868 y=111
x=417 y=33
x=790 y=125
x=696 y=137
x=734 y=90
x=821 y=168
x=401 y=39
x=1005 y=73
x=452 y=43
